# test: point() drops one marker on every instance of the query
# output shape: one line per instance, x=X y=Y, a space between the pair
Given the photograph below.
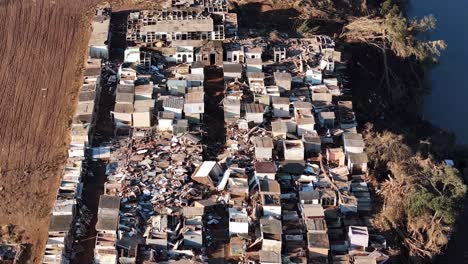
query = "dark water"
x=447 y=106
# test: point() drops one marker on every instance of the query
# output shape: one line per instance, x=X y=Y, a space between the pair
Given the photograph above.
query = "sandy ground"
x=42 y=47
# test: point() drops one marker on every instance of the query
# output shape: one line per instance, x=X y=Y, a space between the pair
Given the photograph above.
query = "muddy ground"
x=43 y=45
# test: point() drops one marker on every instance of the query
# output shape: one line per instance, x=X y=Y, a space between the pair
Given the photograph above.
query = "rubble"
x=288 y=183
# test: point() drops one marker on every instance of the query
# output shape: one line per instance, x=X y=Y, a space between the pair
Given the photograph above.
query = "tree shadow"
x=264 y=16
x=371 y=104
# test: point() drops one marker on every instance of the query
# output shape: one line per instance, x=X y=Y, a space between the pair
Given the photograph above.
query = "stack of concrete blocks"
x=194 y=106
x=106 y=227
x=123 y=109
x=143 y=106
x=61 y=227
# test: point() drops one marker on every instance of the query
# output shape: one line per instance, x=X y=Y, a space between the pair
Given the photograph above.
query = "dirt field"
x=43 y=44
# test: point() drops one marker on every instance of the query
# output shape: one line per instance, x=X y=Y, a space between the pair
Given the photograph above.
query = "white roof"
x=205 y=168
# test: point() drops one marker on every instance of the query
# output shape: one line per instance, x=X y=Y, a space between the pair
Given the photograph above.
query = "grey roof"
x=232 y=67
x=316 y=224
x=285 y=76
x=353 y=140
x=107 y=222
x=309 y=195
x=125 y=98
x=279 y=126
x=270 y=256
x=271 y=225
x=229 y=101
x=192 y=25
x=174 y=102
x=263 y=142
x=194 y=77
x=109 y=202
x=198 y=64
x=60 y=223
x=254 y=61
x=358 y=158
x=125 y=88
x=256 y=75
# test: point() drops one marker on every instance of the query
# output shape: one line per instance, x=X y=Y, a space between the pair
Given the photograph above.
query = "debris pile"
x=288 y=186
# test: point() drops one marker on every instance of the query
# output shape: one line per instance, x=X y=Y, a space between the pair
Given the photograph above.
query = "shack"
x=263 y=148
x=174 y=105
x=280 y=106
x=254 y=65
x=232 y=108
x=207 y=173
x=265 y=169
x=232 y=71
x=283 y=80
x=254 y=113
x=293 y=150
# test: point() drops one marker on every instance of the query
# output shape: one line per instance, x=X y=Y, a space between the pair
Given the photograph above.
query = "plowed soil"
x=42 y=47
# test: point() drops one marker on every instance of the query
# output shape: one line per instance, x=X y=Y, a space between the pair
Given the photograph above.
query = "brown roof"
x=269 y=186
x=265 y=167
x=302 y=105
x=318 y=240
x=166 y=115
x=254 y=108
x=194 y=97
x=280 y=100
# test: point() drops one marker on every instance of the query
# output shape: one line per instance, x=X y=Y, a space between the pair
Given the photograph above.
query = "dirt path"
x=215 y=133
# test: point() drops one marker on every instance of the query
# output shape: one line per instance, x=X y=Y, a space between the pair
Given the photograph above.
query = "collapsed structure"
x=289 y=185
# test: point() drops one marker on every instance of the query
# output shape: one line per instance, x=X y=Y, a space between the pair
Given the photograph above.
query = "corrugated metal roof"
x=174 y=102
x=254 y=108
